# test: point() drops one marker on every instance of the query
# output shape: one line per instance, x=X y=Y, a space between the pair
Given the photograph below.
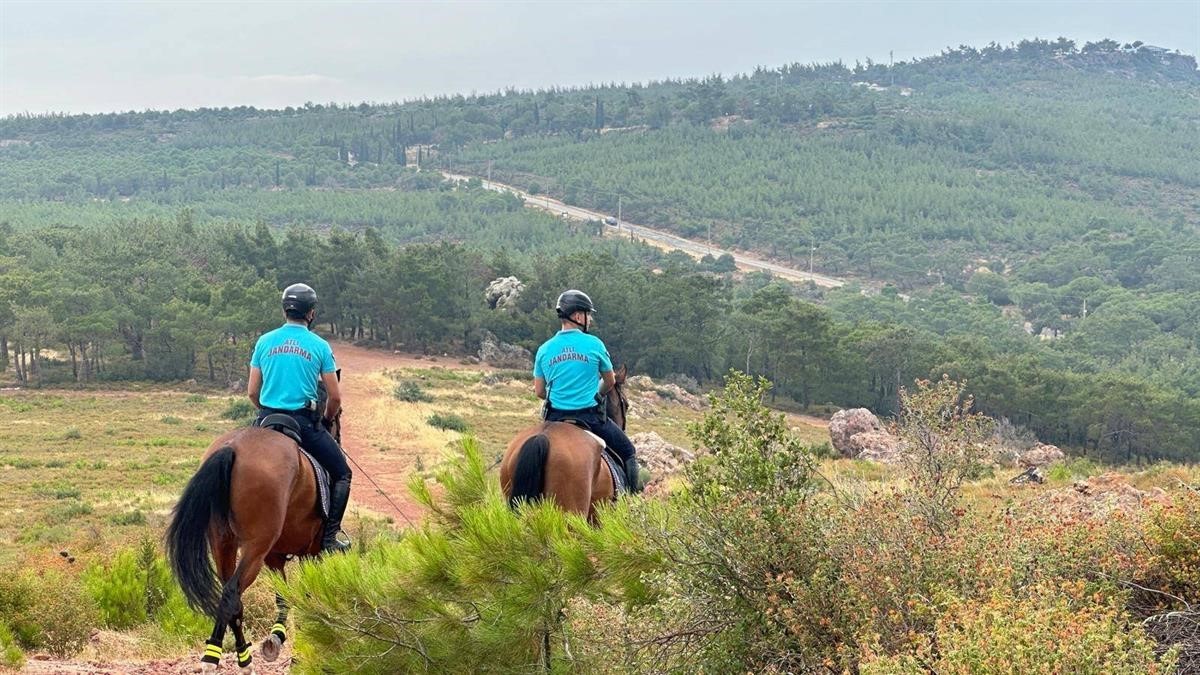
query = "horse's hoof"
x=269 y=651
x=248 y=670
x=206 y=667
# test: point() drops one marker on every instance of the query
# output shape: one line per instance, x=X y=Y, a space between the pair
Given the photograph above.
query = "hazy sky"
x=104 y=56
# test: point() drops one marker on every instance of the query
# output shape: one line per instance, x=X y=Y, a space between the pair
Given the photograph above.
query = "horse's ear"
x=620 y=373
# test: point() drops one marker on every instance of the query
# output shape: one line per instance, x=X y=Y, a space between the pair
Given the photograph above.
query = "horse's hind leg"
x=253 y=555
x=224 y=549
x=274 y=643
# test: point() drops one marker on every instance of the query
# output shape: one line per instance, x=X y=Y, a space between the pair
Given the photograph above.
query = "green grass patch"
x=72 y=434
x=238 y=409
x=171 y=419
x=22 y=463
x=448 y=422
x=411 y=392
x=135 y=517
x=67 y=510
x=41 y=533
x=56 y=490
x=196 y=398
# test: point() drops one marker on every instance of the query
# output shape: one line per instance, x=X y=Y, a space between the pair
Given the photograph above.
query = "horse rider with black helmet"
x=284 y=370
x=573 y=372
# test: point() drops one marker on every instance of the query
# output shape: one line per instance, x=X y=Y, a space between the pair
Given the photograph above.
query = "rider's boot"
x=339 y=495
x=633 y=475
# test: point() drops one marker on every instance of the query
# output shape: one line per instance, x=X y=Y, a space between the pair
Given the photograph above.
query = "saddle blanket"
x=322 y=484
x=616 y=469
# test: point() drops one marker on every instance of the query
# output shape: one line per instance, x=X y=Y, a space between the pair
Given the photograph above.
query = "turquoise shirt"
x=292 y=359
x=571 y=363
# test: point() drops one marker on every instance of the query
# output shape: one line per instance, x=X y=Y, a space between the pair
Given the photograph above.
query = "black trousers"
x=317 y=441
x=600 y=425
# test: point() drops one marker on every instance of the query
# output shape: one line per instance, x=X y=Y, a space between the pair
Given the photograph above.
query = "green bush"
x=171 y=419
x=481 y=588
x=135 y=517
x=448 y=422
x=238 y=409
x=66 y=510
x=195 y=398
x=45 y=611
x=411 y=392
x=56 y=490
x=10 y=652
x=131 y=588
x=72 y=434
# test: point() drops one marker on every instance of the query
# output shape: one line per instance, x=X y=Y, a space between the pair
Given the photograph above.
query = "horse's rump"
x=556 y=460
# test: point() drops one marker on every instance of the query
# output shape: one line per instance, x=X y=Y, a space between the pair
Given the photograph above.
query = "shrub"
x=68 y=509
x=481 y=588
x=56 y=490
x=10 y=652
x=448 y=422
x=1043 y=630
x=238 y=409
x=171 y=419
x=195 y=398
x=45 y=611
x=131 y=588
x=72 y=434
x=411 y=392
x=135 y=517
x=943 y=447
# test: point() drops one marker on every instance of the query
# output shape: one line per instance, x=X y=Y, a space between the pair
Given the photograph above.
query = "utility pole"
x=619 y=213
x=812 y=249
x=891 y=67
x=489 y=171
x=1085 y=308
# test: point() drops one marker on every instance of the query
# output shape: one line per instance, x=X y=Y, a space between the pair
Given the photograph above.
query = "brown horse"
x=563 y=462
x=254 y=492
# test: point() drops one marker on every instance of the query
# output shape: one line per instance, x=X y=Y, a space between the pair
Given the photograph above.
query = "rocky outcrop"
x=1040 y=455
x=845 y=424
x=659 y=457
x=647 y=397
x=1097 y=497
x=877 y=446
x=501 y=354
x=502 y=293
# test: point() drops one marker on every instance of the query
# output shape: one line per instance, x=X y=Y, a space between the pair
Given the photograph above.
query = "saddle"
x=287 y=426
x=616 y=466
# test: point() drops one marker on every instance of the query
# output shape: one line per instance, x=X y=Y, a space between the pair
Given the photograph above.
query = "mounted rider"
x=573 y=372
x=286 y=366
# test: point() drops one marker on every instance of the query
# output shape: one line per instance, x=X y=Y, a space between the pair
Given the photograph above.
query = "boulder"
x=1040 y=455
x=846 y=423
x=502 y=293
x=876 y=446
x=647 y=396
x=503 y=355
x=659 y=457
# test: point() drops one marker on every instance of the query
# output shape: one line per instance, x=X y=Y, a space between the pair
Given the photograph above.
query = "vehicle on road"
x=609 y=220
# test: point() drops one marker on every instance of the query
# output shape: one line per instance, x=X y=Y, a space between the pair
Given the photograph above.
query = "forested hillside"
x=1042 y=189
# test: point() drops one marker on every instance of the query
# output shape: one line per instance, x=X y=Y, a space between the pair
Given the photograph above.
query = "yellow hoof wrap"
x=212 y=653
x=244 y=657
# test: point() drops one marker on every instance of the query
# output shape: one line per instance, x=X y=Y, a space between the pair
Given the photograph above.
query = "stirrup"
x=333 y=544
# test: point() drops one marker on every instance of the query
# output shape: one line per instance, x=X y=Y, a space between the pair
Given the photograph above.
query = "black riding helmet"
x=299 y=299
x=573 y=301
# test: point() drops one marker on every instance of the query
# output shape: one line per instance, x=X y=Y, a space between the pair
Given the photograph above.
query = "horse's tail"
x=529 y=477
x=204 y=505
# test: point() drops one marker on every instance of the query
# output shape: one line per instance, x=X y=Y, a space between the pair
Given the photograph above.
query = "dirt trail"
x=360 y=388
